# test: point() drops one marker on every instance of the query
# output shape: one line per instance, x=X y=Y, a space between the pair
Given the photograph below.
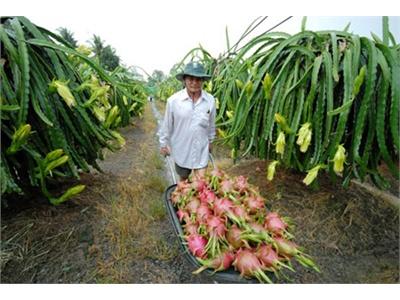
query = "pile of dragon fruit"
x=226 y=224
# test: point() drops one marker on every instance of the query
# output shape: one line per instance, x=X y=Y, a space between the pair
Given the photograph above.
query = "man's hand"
x=165 y=151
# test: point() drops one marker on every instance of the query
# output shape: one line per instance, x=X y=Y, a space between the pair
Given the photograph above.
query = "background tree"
x=156 y=78
x=106 y=55
x=68 y=36
x=135 y=73
x=97 y=44
x=109 y=59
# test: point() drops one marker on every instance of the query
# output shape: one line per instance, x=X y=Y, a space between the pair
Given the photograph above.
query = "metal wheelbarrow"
x=227 y=276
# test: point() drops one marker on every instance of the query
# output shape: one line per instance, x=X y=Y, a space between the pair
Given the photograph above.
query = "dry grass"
x=26 y=253
x=156 y=160
x=224 y=164
x=161 y=106
x=13 y=247
x=132 y=216
x=148 y=124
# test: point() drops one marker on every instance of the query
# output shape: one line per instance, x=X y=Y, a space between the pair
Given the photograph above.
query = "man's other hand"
x=165 y=151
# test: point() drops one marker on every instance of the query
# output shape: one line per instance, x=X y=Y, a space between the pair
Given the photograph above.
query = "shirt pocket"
x=203 y=120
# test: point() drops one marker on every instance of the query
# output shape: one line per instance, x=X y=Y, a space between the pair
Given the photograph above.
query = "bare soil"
x=117 y=230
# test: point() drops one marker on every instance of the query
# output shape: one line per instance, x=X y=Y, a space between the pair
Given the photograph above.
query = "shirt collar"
x=185 y=96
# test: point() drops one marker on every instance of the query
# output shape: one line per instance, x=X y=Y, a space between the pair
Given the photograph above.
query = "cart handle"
x=171 y=169
x=211 y=159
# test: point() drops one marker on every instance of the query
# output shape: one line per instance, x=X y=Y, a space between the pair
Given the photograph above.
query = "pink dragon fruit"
x=192 y=205
x=274 y=223
x=196 y=244
x=183 y=187
x=221 y=262
x=217 y=173
x=241 y=184
x=247 y=263
x=268 y=257
x=226 y=186
x=207 y=196
x=199 y=185
x=233 y=236
x=256 y=227
x=182 y=215
x=216 y=177
x=191 y=228
x=222 y=206
x=254 y=204
x=286 y=248
x=216 y=228
x=203 y=212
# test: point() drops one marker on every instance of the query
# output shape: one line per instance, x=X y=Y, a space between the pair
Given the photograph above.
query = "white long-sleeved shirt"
x=188 y=128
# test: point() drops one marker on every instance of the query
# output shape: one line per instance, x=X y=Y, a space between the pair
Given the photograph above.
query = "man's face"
x=193 y=84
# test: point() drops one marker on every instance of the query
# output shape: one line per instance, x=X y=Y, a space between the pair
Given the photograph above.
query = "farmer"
x=188 y=127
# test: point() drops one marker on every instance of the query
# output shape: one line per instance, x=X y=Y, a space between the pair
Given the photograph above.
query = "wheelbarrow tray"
x=228 y=276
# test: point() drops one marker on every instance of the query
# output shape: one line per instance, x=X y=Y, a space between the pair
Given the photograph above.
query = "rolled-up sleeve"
x=211 y=128
x=166 y=127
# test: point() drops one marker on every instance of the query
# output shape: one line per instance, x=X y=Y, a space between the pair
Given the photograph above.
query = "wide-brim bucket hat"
x=194 y=69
